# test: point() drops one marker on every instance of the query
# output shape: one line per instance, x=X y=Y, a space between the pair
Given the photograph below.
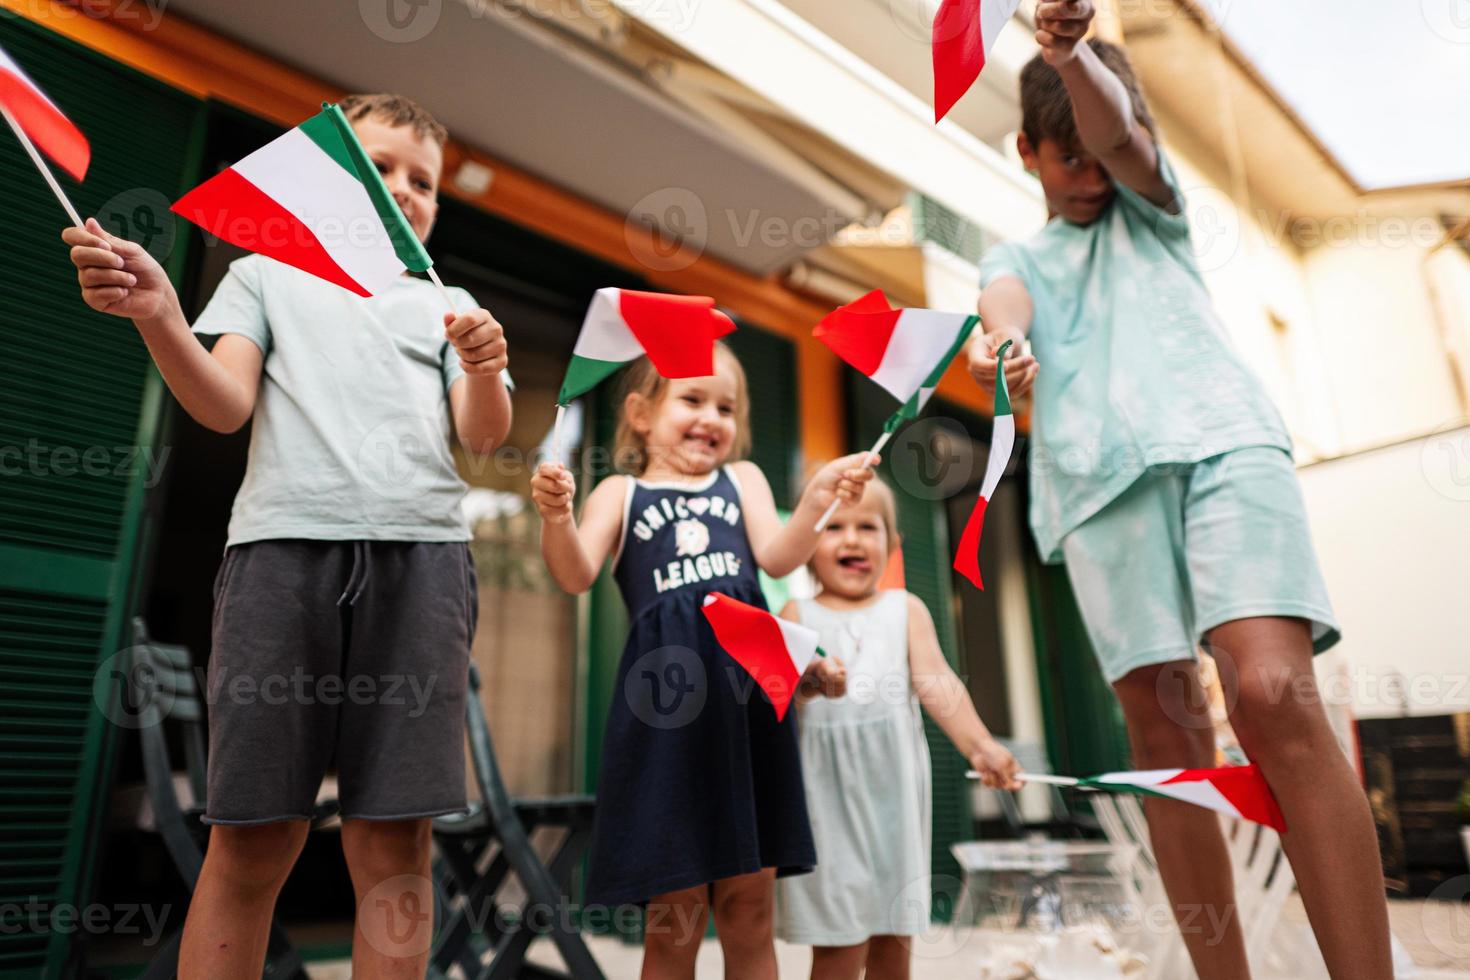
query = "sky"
x=1385 y=86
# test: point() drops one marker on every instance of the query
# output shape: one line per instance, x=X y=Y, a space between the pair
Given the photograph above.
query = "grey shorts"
x=353 y=654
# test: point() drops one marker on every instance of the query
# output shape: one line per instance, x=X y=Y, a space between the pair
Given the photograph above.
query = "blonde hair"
x=630 y=449
x=395 y=110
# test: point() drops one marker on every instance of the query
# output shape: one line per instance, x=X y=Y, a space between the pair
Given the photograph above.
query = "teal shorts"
x=1191 y=546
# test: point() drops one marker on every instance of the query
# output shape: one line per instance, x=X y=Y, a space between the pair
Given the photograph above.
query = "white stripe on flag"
x=1143 y=777
x=1201 y=793
x=298 y=175
x=801 y=643
x=1002 y=441
x=605 y=335
x=920 y=339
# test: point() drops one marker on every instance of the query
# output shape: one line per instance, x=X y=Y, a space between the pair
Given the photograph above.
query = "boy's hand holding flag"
x=1002 y=442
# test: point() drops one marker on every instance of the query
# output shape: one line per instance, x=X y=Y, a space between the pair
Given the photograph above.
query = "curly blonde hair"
x=630 y=449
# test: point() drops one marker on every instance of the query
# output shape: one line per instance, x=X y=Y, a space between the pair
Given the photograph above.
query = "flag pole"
x=443 y=293
x=25 y=141
x=877 y=446
x=561 y=413
x=1035 y=777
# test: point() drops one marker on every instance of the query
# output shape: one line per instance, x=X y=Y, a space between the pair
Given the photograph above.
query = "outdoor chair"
x=478 y=851
x=159 y=684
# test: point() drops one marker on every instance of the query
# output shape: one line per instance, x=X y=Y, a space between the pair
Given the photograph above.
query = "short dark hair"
x=1046 y=110
x=395 y=110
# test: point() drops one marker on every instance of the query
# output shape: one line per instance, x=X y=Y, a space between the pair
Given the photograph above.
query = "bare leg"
x=1276 y=711
x=745 y=910
x=888 y=958
x=673 y=928
x=839 y=962
x=228 y=927
x=1168 y=727
x=390 y=863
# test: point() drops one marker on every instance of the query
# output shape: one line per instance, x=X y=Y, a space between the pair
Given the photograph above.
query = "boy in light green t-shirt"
x=1161 y=474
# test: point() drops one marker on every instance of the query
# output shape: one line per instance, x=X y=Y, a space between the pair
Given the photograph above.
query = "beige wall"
x=1392 y=529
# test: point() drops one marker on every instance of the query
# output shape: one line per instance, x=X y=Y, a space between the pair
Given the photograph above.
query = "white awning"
x=766 y=47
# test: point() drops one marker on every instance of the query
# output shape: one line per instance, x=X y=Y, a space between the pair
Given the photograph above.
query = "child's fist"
x=1021 y=368
x=828 y=676
x=117 y=276
x=846 y=478
x=552 y=491
x=479 y=340
x=996 y=766
x=1060 y=24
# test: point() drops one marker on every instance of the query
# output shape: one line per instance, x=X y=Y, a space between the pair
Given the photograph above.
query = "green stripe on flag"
x=1002 y=395
x=405 y=240
x=915 y=405
x=584 y=374
x=323 y=132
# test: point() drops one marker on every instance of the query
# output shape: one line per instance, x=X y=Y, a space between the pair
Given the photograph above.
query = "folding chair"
x=160 y=679
x=467 y=895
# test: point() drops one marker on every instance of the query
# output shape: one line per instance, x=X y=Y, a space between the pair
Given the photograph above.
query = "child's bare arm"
x=944 y=697
x=481 y=405
x=1005 y=313
x=781 y=549
x=217 y=388
x=1106 y=124
x=575 y=554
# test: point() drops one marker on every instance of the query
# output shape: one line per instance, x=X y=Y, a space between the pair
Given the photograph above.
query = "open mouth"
x=702 y=442
x=855 y=563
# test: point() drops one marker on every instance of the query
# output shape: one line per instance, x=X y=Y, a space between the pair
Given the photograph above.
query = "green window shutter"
x=770 y=372
x=77 y=414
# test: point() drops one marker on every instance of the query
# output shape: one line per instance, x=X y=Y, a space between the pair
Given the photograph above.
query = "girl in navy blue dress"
x=700 y=803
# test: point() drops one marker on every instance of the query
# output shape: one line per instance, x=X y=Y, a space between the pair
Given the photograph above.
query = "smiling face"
x=852 y=552
x=410 y=165
x=1075 y=183
x=691 y=426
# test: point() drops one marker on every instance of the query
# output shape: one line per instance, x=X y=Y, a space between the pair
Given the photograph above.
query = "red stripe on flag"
x=1245 y=788
x=860 y=331
x=231 y=208
x=52 y=132
x=967 y=555
x=677 y=332
x=959 y=52
x=754 y=640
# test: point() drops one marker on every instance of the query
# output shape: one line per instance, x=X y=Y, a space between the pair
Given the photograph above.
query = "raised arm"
x=1106 y=123
x=217 y=388
x=782 y=549
x=945 y=698
x=574 y=554
x=1005 y=313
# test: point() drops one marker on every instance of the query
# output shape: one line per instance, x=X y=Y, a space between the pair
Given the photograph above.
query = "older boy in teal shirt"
x=1161 y=474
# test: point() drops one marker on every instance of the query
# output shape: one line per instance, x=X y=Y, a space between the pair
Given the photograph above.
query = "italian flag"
x=23 y=101
x=964 y=34
x=905 y=352
x=313 y=199
x=678 y=334
x=1236 y=791
x=774 y=651
x=1002 y=442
